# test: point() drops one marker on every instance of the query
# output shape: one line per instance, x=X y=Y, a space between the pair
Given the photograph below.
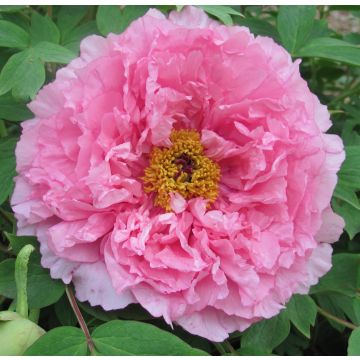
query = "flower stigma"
x=182 y=168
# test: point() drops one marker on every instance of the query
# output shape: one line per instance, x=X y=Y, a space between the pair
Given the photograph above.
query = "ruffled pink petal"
x=331 y=228
x=191 y=17
x=177 y=203
x=93 y=284
x=212 y=324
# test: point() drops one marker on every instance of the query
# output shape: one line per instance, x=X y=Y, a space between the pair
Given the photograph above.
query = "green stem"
x=219 y=348
x=230 y=348
x=34 y=315
x=21 y=269
x=49 y=11
x=81 y=320
x=336 y=319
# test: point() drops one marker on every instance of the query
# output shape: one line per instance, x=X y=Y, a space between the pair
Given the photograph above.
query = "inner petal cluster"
x=183 y=168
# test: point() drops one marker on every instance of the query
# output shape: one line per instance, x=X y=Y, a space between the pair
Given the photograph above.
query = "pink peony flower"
x=182 y=165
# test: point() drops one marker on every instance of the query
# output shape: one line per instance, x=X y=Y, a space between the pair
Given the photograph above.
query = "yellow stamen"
x=183 y=169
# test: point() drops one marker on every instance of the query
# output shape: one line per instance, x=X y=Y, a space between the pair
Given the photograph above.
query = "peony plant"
x=183 y=167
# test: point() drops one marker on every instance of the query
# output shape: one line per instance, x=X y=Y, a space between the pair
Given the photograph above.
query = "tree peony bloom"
x=182 y=165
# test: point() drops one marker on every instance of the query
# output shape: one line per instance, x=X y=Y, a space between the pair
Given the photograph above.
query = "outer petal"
x=212 y=324
x=192 y=17
x=93 y=284
x=331 y=228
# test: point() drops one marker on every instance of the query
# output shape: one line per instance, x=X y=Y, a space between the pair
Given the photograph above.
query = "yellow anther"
x=182 y=168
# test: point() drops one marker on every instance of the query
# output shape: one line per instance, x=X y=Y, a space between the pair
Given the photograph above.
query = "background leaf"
x=12 y=35
x=43 y=29
x=13 y=110
x=115 y=19
x=119 y=337
x=267 y=334
x=332 y=49
x=223 y=13
x=18 y=242
x=11 y=8
x=64 y=312
x=347 y=204
x=42 y=290
x=295 y=23
x=7 y=166
x=301 y=311
x=344 y=276
x=354 y=343
x=72 y=41
x=62 y=341
x=259 y=27
x=24 y=73
x=69 y=17
x=50 y=52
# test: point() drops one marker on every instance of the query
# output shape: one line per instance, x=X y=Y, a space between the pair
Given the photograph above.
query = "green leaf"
x=347 y=194
x=7 y=278
x=267 y=334
x=343 y=7
x=43 y=29
x=13 y=110
x=72 y=41
x=301 y=311
x=354 y=343
x=259 y=27
x=350 y=215
x=11 y=8
x=13 y=36
x=98 y=312
x=353 y=38
x=295 y=24
x=320 y=29
x=64 y=312
x=343 y=277
x=331 y=49
x=18 y=242
x=350 y=169
x=50 y=52
x=342 y=306
x=294 y=345
x=61 y=341
x=119 y=337
x=223 y=13
x=18 y=19
x=247 y=351
x=114 y=19
x=7 y=166
x=42 y=290
x=347 y=204
x=70 y=16
x=24 y=73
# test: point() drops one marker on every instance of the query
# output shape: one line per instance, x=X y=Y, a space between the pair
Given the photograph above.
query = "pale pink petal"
x=93 y=284
x=331 y=228
x=177 y=203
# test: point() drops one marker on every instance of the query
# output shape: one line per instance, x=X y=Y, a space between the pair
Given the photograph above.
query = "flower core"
x=183 y=168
